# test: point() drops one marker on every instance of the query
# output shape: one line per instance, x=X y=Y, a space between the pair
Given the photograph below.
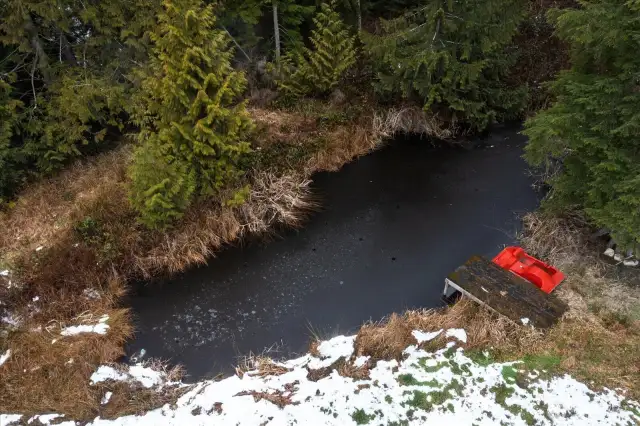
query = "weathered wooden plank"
x=507 y=293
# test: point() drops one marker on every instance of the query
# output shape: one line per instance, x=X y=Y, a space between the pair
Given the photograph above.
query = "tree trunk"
x=38 y=50
x=276 y=30
x=358 y=15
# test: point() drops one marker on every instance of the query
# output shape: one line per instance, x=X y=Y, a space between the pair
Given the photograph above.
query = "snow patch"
x=332 y=350
x=6 y=419
x=334 y=400
x=44 y=419
x=106 y=398
x=466 y=394
x=104 y=373
x=422 y=337
x=4 y=357
x=361 y=361
x=457 y=333
x=100 y=328
x=146 y=376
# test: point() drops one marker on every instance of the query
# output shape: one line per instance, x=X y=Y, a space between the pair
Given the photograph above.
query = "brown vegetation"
x=260 y=366
x=129 y=399
x=73 y=241
x=48 y=372
x=278 y=397
x=598 y=341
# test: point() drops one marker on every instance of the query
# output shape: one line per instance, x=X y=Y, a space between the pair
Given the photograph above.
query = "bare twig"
x=236 y=43
x=33 y=85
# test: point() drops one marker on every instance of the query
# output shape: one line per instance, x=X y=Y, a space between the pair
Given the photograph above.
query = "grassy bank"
x=437 y=380
x=71 y=243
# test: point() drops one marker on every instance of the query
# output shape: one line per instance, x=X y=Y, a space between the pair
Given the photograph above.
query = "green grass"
x=482 y=358
x=361 y=417
x=459 y=370
x=431 y=368
x=509 y=374
x=546 y=362
x=409 y=380
x=502 y=392
x=419 y=400
x=428 y=400
x=626 y=406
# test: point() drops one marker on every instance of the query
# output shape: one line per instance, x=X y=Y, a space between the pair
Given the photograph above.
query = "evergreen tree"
x=594 y=125
x=189 y=110
x=292 y=14
x=11 y=173
x=451 y=57
x=160 y=190
x=319 y=69
x=70 y=61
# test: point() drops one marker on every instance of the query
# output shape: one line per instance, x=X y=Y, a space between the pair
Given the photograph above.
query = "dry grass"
x=49 y=207
x=261 y=366
x=131 y=399
x=52 y=260
x=278 y=397
x=384 y=340
x=592 y=285
x=347 y=369
x=42 y=376
x=412 y=119
x=606 y=354
x=387 y=339
x=599 y=346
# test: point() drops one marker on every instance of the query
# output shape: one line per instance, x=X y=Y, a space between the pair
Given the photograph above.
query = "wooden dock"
x=505 y=293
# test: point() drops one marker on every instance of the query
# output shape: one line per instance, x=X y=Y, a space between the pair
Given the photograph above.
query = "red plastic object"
x=516 y=260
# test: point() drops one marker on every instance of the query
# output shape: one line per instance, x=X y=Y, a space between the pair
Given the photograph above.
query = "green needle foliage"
x=451 y=56
x=66 y=63
x=594 y=126
x=318 y=70
x=10 y=112
x=190 y=115
x=160 y=190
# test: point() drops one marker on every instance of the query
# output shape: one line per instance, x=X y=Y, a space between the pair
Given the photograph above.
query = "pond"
x=392 y=225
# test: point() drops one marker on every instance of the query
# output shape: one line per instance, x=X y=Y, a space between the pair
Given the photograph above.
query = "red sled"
x=516 y=260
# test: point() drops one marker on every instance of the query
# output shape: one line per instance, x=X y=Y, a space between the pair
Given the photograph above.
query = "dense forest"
x=174 y=77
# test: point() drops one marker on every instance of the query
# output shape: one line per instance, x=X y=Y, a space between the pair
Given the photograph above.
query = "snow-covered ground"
x=446 y=387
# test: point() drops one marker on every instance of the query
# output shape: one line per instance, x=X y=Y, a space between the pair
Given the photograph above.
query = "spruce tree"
x=593 y=128
x=11 y=172
x=450 y=56
x=318 y=69
x=161 y=190
x=70 y=63
x=189 y=109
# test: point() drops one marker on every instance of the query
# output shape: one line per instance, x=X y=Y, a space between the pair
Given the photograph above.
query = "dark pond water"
x=393 y=225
